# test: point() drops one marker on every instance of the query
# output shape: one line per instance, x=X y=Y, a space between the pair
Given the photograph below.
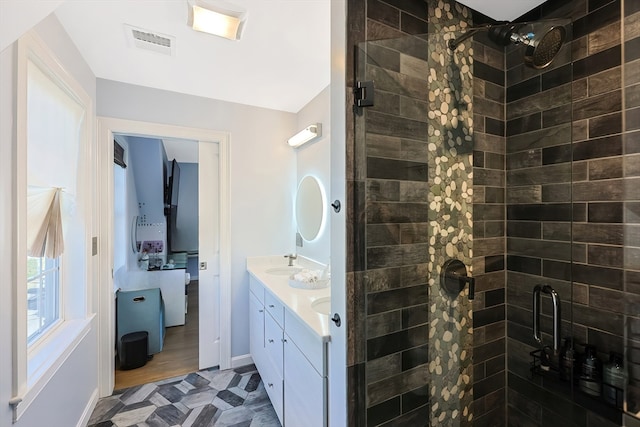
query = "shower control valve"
x=453 y=278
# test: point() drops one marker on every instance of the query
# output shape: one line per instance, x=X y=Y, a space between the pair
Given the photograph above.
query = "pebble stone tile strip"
x=230 y=398
x=450 y=148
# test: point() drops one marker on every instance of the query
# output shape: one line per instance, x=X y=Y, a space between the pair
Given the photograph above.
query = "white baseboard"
x=88 y=410
x=239 y=361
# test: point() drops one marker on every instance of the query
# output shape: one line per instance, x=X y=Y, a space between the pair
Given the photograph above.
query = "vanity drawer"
x=256 y=289
x=274 y=385
x=273 y=343
x=274 y=307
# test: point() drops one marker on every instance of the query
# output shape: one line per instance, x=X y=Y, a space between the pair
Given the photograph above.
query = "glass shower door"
x=413 y=154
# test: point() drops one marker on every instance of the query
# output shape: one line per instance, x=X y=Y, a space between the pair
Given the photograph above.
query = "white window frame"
x=42 y=333
x=35 y=365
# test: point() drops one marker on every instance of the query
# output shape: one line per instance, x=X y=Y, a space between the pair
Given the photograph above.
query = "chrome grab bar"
x=555 y=299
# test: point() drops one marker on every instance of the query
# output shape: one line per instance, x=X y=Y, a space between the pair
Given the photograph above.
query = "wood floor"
x=179 y=354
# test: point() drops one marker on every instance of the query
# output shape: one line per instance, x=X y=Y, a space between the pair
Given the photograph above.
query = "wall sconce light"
x=305 y=135
x=217 y=20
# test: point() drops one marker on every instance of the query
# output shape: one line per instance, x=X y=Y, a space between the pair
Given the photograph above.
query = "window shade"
x=44 y=222
x=54 y=124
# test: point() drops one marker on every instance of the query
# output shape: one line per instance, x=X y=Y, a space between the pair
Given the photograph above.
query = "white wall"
x=132 y=207
x=314 y=158
x=7 y=168
x=74 y=383
x=131 y=211
x=262 y=170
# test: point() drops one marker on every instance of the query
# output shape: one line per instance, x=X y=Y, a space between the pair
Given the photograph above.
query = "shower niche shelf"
x=569 y=389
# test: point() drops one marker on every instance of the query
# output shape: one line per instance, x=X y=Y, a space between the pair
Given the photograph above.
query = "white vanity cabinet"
x=266 y=345
x=291 y=359
x=256 y=331
x=305 y=389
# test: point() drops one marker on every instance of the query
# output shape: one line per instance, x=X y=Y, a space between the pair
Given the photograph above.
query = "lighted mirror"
x=309 y=208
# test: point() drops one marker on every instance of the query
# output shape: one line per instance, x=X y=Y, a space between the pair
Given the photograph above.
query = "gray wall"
x=186 y=239
x=148 y=161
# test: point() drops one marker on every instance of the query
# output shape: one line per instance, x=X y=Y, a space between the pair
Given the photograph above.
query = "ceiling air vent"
x=149 y=40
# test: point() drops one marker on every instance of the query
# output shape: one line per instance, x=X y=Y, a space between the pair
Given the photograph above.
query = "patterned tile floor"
x=231 y=398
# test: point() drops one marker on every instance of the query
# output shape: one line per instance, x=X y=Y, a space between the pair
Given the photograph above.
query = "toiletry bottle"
x=614 y=378
x=591 y=375
x=144 y=261
x=545 y=358
x=567 y=359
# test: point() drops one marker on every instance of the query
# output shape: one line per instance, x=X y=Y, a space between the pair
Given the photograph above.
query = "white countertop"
x=296 y=301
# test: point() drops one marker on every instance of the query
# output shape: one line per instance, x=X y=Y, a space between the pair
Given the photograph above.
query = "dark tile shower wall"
x=393 y=337
x=535 y=240
x=631 y=215
x=571 y=112
x=387 y=209
x=489 y=319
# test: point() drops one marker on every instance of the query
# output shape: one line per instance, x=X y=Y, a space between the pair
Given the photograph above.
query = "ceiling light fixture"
x=306 y=135
x=220 y=19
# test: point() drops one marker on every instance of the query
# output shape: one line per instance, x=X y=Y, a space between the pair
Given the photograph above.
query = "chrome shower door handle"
x=555 y=300
x=536 y=314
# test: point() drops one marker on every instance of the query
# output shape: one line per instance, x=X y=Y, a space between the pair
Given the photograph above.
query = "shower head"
x=542 y=39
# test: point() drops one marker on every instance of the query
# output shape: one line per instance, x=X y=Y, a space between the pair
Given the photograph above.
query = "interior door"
x=209 y=255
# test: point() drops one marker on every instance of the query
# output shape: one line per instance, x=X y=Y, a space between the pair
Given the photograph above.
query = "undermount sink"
x=322 y=305
x=284 y=271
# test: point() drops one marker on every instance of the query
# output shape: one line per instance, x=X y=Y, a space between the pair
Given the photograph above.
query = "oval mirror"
x=309 y=208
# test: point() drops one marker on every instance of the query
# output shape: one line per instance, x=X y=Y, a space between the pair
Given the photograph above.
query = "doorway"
x=156 y=244
x=214 y=255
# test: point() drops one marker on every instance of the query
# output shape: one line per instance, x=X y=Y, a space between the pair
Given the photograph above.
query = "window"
x=43 y=303
x=54 y=122
x=53 y=213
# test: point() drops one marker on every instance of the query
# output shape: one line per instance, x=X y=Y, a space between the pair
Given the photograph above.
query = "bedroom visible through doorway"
x=213 y=266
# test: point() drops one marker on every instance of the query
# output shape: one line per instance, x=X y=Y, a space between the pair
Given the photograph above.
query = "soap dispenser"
x=591 y=375
x=567 y=360
x=614 y=379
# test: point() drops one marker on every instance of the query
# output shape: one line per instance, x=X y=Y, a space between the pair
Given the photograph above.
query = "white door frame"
x=105 y=303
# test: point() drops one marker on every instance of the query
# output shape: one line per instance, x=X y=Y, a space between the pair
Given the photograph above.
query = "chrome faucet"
x=291 y=257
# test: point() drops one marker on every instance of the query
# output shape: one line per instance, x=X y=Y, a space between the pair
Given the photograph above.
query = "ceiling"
x=282 y=61
x=501 y=10
x=183 y=150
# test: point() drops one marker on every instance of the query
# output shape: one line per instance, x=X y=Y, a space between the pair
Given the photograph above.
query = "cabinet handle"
x=284 y=340
x=271 y=341
x=260 y=311
x=271 y=385
x=271 y=305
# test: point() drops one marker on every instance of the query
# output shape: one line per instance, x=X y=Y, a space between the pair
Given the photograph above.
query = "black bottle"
x=545 y=358
x=591 y=373
x=566 y=360
x=614 y=379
